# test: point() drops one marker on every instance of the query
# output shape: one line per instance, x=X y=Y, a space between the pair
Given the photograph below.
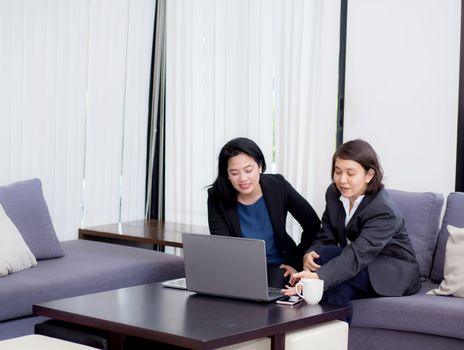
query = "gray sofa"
x=420 y=321
x=67 y=268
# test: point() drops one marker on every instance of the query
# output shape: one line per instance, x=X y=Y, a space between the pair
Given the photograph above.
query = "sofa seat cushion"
x=420 y=313
x=86 y=267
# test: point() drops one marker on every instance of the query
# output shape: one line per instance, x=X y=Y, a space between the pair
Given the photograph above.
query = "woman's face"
x=244 y=175
x=351 y=179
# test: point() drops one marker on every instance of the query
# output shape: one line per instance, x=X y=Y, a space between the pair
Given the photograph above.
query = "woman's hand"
x=306 y=274
x=308 y=261
x=289 y=272
x=290 y=290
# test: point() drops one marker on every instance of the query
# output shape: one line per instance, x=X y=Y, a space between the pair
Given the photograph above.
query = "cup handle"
x=296 y=289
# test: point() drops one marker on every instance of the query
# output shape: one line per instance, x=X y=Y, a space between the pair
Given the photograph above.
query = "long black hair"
x=222 y=188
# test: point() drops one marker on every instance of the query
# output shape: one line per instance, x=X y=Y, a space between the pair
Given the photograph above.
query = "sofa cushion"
x=454 y=215
x=87 y=267
x=453 y=281
x=15 y=255
x=25 y=204
x=421 y=212
x=419 y=313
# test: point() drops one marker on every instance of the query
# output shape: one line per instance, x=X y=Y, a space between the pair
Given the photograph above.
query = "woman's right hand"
x=308 y=261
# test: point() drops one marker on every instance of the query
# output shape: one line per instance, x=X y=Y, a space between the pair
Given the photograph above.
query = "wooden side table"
x=158 y=234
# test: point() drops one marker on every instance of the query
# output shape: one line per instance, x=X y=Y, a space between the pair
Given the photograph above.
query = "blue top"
x=256 y=223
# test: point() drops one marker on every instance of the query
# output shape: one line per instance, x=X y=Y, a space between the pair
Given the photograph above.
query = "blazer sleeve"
x=377 y=227
x=306 y=216
x=325 y=236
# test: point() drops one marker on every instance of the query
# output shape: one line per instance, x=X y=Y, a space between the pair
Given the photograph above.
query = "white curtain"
x=306 y=97
x=74 y=81
x=219 y=85
x=263 y=69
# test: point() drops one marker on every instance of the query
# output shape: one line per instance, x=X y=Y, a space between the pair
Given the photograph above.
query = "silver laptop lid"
x=226 y=266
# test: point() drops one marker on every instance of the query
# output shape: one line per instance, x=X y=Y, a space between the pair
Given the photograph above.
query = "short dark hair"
x=222 y=188
x=361 y=152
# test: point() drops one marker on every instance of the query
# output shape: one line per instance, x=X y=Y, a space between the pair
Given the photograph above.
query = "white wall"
x=402 y=72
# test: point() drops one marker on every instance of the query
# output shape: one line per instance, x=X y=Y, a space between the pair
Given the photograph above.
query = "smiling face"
x=244 y=174
x=351 y=178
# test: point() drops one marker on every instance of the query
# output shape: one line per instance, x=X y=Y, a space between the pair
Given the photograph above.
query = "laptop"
x=225 y=266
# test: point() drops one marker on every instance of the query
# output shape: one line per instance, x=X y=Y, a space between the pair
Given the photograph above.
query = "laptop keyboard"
x=274 y=291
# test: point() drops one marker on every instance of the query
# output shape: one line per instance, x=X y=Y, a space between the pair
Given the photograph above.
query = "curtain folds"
x=74 y=81
x=265 y=69
x=219 y=85
x=306 y=96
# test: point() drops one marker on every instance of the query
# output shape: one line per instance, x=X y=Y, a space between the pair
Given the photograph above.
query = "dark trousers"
x=358 y=287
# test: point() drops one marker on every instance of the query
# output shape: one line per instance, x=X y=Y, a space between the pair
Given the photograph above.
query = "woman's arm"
x=377 y=230
x=305 y=215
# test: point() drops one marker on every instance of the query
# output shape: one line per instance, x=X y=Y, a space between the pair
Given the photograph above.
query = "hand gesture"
x=289 y=272
x=308 y=261
x=290 y=290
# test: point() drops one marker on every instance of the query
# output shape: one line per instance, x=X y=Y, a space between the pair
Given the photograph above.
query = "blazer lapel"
x=340 y=222
x=364 y=203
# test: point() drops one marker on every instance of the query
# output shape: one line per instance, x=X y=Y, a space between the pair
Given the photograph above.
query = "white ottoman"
x=40 y=342
x=257 y=344
x=331 y=335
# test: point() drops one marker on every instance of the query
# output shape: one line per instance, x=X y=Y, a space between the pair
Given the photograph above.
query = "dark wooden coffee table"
x=185 y=319
x=153 y=232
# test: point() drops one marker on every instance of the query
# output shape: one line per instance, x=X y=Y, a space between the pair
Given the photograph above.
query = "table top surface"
x=185 y=318
x=145 y=231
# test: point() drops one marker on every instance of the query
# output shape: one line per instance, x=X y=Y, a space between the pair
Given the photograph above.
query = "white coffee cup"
x=311 y=290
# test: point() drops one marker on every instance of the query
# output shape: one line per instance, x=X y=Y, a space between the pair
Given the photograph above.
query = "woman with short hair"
x=363 y=249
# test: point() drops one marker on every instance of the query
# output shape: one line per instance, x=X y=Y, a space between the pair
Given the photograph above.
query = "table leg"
x=278 y=341
x=158 y=248
x=116 y=341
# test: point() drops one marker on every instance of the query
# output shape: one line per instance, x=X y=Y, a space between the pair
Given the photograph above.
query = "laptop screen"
x=226 y=266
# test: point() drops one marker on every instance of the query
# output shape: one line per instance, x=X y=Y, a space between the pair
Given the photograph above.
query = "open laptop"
x=225 y=266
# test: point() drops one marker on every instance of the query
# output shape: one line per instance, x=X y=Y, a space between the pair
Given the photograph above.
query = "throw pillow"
x=25 y=205
x=453 y=282
x=15 y=255
x=453 y=216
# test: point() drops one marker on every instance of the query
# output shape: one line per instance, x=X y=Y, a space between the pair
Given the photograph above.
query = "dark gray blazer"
x=280 y=198
x=378 y=240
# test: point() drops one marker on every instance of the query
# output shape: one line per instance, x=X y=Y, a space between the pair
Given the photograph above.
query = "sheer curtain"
x=219 y=85
x=74 y=81
x=266 y=69
x=306 y=96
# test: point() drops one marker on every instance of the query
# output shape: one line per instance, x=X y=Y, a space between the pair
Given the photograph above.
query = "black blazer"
x=280 y=198
x=378 y=240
